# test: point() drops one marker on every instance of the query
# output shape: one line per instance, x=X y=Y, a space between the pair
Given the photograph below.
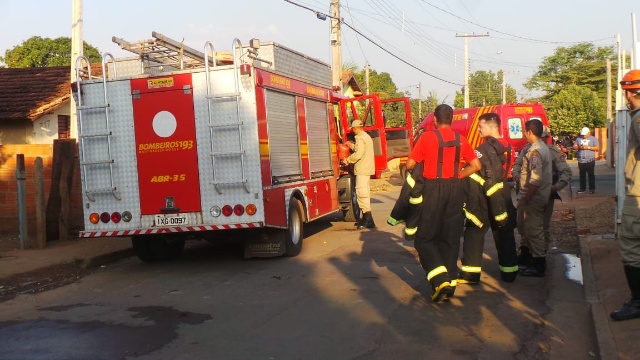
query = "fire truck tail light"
x=251 y=209
x=238 y=210
x=105 y=217
x=215 y=211
x=116 y=217
x=94 y=218
x=227 y=210
x=126 y=216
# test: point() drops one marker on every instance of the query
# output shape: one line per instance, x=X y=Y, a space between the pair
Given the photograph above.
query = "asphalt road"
x=349 y=295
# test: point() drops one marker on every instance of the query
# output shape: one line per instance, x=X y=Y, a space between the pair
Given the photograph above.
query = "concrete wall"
x=45 y=128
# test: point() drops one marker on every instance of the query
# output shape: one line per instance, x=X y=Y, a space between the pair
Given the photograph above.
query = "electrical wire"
x=357 y=38
x=508 y=34
x=374 y=43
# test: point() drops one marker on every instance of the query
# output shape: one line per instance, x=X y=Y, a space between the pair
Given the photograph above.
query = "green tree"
x=382 y=84
x=428 y=106
x=41 y=52
x=573 y=108
x=582 y=64
x=485 y=88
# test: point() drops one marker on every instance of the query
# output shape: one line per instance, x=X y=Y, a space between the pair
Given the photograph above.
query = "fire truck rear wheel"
x=165 y=247
x=295 y=229
x=141 y=247
x=352 y=213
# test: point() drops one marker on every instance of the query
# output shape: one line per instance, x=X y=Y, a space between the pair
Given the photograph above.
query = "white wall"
x=45 y=128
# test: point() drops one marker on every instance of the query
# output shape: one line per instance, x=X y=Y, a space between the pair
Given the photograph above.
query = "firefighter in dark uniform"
x=486 y=205
x=441 y=223
x=629 y=228
x=408 y=206
x=561 y=177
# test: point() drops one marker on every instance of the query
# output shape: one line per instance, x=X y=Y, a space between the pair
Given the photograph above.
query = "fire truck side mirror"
x=254 y=43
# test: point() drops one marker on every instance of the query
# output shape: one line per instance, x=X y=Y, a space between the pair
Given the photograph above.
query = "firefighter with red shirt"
x=441 y=223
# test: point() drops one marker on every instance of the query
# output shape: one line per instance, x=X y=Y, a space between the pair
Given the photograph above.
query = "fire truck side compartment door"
x=284 y=142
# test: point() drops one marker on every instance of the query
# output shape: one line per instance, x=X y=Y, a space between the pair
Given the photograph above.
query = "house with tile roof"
x=34 y=104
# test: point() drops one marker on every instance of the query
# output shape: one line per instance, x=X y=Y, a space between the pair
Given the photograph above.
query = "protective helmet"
x=631 y=81
x=545 y=131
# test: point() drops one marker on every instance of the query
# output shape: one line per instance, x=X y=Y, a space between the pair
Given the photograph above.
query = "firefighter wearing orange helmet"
x=629 y=230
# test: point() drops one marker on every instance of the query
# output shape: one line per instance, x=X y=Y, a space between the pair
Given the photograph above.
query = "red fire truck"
x=175 y=145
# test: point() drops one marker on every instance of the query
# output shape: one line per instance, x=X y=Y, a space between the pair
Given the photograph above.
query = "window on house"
x=63 y=126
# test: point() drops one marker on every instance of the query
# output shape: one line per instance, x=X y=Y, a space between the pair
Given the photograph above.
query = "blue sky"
x=422 y=32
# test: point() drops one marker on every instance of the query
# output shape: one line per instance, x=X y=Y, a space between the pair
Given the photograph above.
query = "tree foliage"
x=42 y=52
x=485 y=88
x=428 y=106
x=582 y=64
x=382 y=84
x=573 y=108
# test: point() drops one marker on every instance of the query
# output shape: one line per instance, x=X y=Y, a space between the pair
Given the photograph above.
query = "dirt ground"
x=569 y=219
x=577 y=217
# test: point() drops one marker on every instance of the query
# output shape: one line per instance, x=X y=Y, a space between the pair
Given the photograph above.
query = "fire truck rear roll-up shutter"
x=318 y=138
x=284 y=143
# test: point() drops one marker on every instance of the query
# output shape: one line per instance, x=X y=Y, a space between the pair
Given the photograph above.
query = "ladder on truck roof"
x=164 y=51
x=103 y=137
x=236 y=125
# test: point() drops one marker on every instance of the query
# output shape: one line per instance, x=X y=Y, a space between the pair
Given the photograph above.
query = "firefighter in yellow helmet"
x=629 y=230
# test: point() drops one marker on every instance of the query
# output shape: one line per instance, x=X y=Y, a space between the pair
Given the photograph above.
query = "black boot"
x=524 y=257
x=537 y=267
x=508 y=276
x=367 y=221
x=630 y=309
x=359 y=219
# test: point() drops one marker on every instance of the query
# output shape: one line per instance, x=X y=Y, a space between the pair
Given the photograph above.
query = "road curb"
x=606 y=345
x=99 y=260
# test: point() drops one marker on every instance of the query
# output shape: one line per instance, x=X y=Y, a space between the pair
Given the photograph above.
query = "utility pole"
x=420 y=100
x=366 y=77
x=609 y=117
x=76 y=50
x=466 y=64
x=635 y=52
x=336 y=46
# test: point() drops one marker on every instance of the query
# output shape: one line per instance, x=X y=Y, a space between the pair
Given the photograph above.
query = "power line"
x=357 y=38
x=508 y=34
x=374 y=43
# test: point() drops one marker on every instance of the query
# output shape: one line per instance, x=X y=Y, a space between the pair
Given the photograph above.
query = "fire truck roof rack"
x=164 y=51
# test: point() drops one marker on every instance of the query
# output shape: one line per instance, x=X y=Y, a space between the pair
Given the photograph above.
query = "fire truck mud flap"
x=266 y=243
x=347 y=198
x=278 y=242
